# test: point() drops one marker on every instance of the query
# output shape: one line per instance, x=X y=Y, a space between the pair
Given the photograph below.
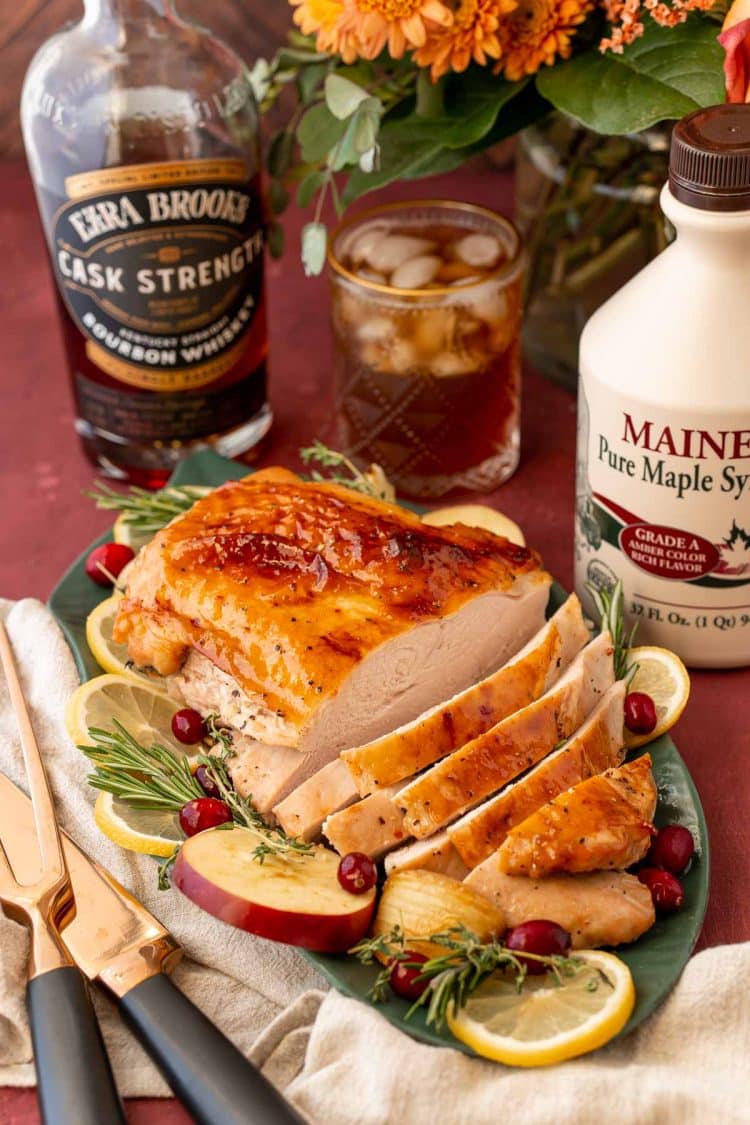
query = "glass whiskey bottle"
x=142 y=137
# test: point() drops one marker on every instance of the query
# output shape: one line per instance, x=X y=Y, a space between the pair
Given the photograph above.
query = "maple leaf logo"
x=735 y=550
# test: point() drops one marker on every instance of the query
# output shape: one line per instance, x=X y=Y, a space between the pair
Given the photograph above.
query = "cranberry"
x=357 y=873
x=202 y=813
x=666 y=888
x=404 y=978
x=188 y=726
x=672 y=849
x=640 y=712
x=206 y=782
x=542 y=937
x=106 y=561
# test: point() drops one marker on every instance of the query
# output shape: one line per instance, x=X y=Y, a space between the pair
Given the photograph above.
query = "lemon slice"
x=662 y=675
x=144 y=711
x=546 y=1021
x=150 y=831
x=109 y=655
x=130 y=536
x=476 y=515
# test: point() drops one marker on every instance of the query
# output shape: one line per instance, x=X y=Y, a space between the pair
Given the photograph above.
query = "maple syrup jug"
x=663 y=465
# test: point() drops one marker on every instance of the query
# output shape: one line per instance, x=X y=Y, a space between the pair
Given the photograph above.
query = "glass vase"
x=588 y=206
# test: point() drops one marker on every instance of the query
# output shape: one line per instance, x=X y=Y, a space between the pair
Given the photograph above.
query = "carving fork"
x=74 y=1077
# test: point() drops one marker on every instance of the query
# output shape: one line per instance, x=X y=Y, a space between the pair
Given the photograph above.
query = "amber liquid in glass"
x=428 y=380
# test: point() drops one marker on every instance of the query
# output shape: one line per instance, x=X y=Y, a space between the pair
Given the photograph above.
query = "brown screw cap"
x=709 y=159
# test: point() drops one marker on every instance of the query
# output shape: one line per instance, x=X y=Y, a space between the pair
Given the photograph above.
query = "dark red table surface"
x=46 y=522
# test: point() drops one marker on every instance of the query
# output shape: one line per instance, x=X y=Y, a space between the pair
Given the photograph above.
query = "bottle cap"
x=709 y=159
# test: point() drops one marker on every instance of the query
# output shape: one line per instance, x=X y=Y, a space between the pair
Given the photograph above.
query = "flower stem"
x=430 y=95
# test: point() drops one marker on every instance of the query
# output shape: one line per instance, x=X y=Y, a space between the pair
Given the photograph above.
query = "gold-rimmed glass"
x=427 y=379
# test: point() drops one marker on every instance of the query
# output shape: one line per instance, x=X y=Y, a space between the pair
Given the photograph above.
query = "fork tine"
x=50 y=846
x=8 y=882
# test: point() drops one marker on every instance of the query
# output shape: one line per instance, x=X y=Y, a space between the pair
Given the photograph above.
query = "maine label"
x=663 y=502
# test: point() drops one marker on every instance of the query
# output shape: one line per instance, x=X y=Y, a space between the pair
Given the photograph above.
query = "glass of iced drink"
x=426 y=305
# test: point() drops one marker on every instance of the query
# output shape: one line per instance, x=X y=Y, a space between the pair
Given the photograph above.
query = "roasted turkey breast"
x=322 y=618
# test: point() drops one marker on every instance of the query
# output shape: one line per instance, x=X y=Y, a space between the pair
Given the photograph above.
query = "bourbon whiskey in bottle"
x=142 y=137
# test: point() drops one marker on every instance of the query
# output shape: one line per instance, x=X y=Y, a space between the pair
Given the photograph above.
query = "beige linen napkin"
x=339 y=1061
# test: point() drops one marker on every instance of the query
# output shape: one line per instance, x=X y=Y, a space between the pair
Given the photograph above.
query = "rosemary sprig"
x=150 y=777
x=453 y=975
x=609 y=605
x=143 y=510
x=373 y=482
x=154 y=777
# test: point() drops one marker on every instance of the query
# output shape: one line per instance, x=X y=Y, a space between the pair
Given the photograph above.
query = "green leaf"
x=665 y=74
x=309 y=80
x=275 y=239
x=318 y=133
x=280 y=151
x=289 y=57
x=367 y=126
x=360 y=135
x=524 y=109
x=314 y=241
x=278 y=196
x=411 y=142
x=309 y=186
x=343 y=96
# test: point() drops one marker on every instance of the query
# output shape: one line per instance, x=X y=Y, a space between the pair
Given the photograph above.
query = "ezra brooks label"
x=663 y=502
x=161 y=268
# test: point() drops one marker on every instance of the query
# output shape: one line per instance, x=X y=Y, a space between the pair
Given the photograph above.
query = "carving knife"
x=120 y=946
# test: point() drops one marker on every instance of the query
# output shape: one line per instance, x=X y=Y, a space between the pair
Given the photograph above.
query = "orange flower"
x=473 y=34
x=735 y=39
x=537 y=32
x=322 y=18
x=399 y=25
x=313 y=16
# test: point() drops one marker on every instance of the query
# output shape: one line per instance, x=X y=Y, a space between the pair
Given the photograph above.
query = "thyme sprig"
x=453 y=975
x=373 y=482
x=275 y=841
x=221 y=736
x=143 y=510
x=610 y=605
x=154 y=777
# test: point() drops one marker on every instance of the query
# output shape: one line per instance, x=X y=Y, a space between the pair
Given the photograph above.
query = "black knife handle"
x=74 y=1078
x=212 y=1079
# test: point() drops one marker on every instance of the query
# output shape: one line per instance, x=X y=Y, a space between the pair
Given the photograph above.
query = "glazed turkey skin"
x=336 y=616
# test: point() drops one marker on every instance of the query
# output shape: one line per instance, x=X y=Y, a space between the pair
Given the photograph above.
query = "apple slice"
x=295 y=899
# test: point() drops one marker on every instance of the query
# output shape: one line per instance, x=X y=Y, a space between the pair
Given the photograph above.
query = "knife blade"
x=113 y=938
x=119 y=944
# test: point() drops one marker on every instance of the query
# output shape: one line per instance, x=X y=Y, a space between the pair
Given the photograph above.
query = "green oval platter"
x=656 y=960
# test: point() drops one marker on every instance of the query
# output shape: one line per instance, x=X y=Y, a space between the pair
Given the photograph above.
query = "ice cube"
x=433 y=329
x=390 y=251
x=452 y=363
x=479 y=250
x=416 y=272
x=492 y=306
x=452 y=273
x=398 y=357
x=361 y=243
x=371 y=275
x=378 y=329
